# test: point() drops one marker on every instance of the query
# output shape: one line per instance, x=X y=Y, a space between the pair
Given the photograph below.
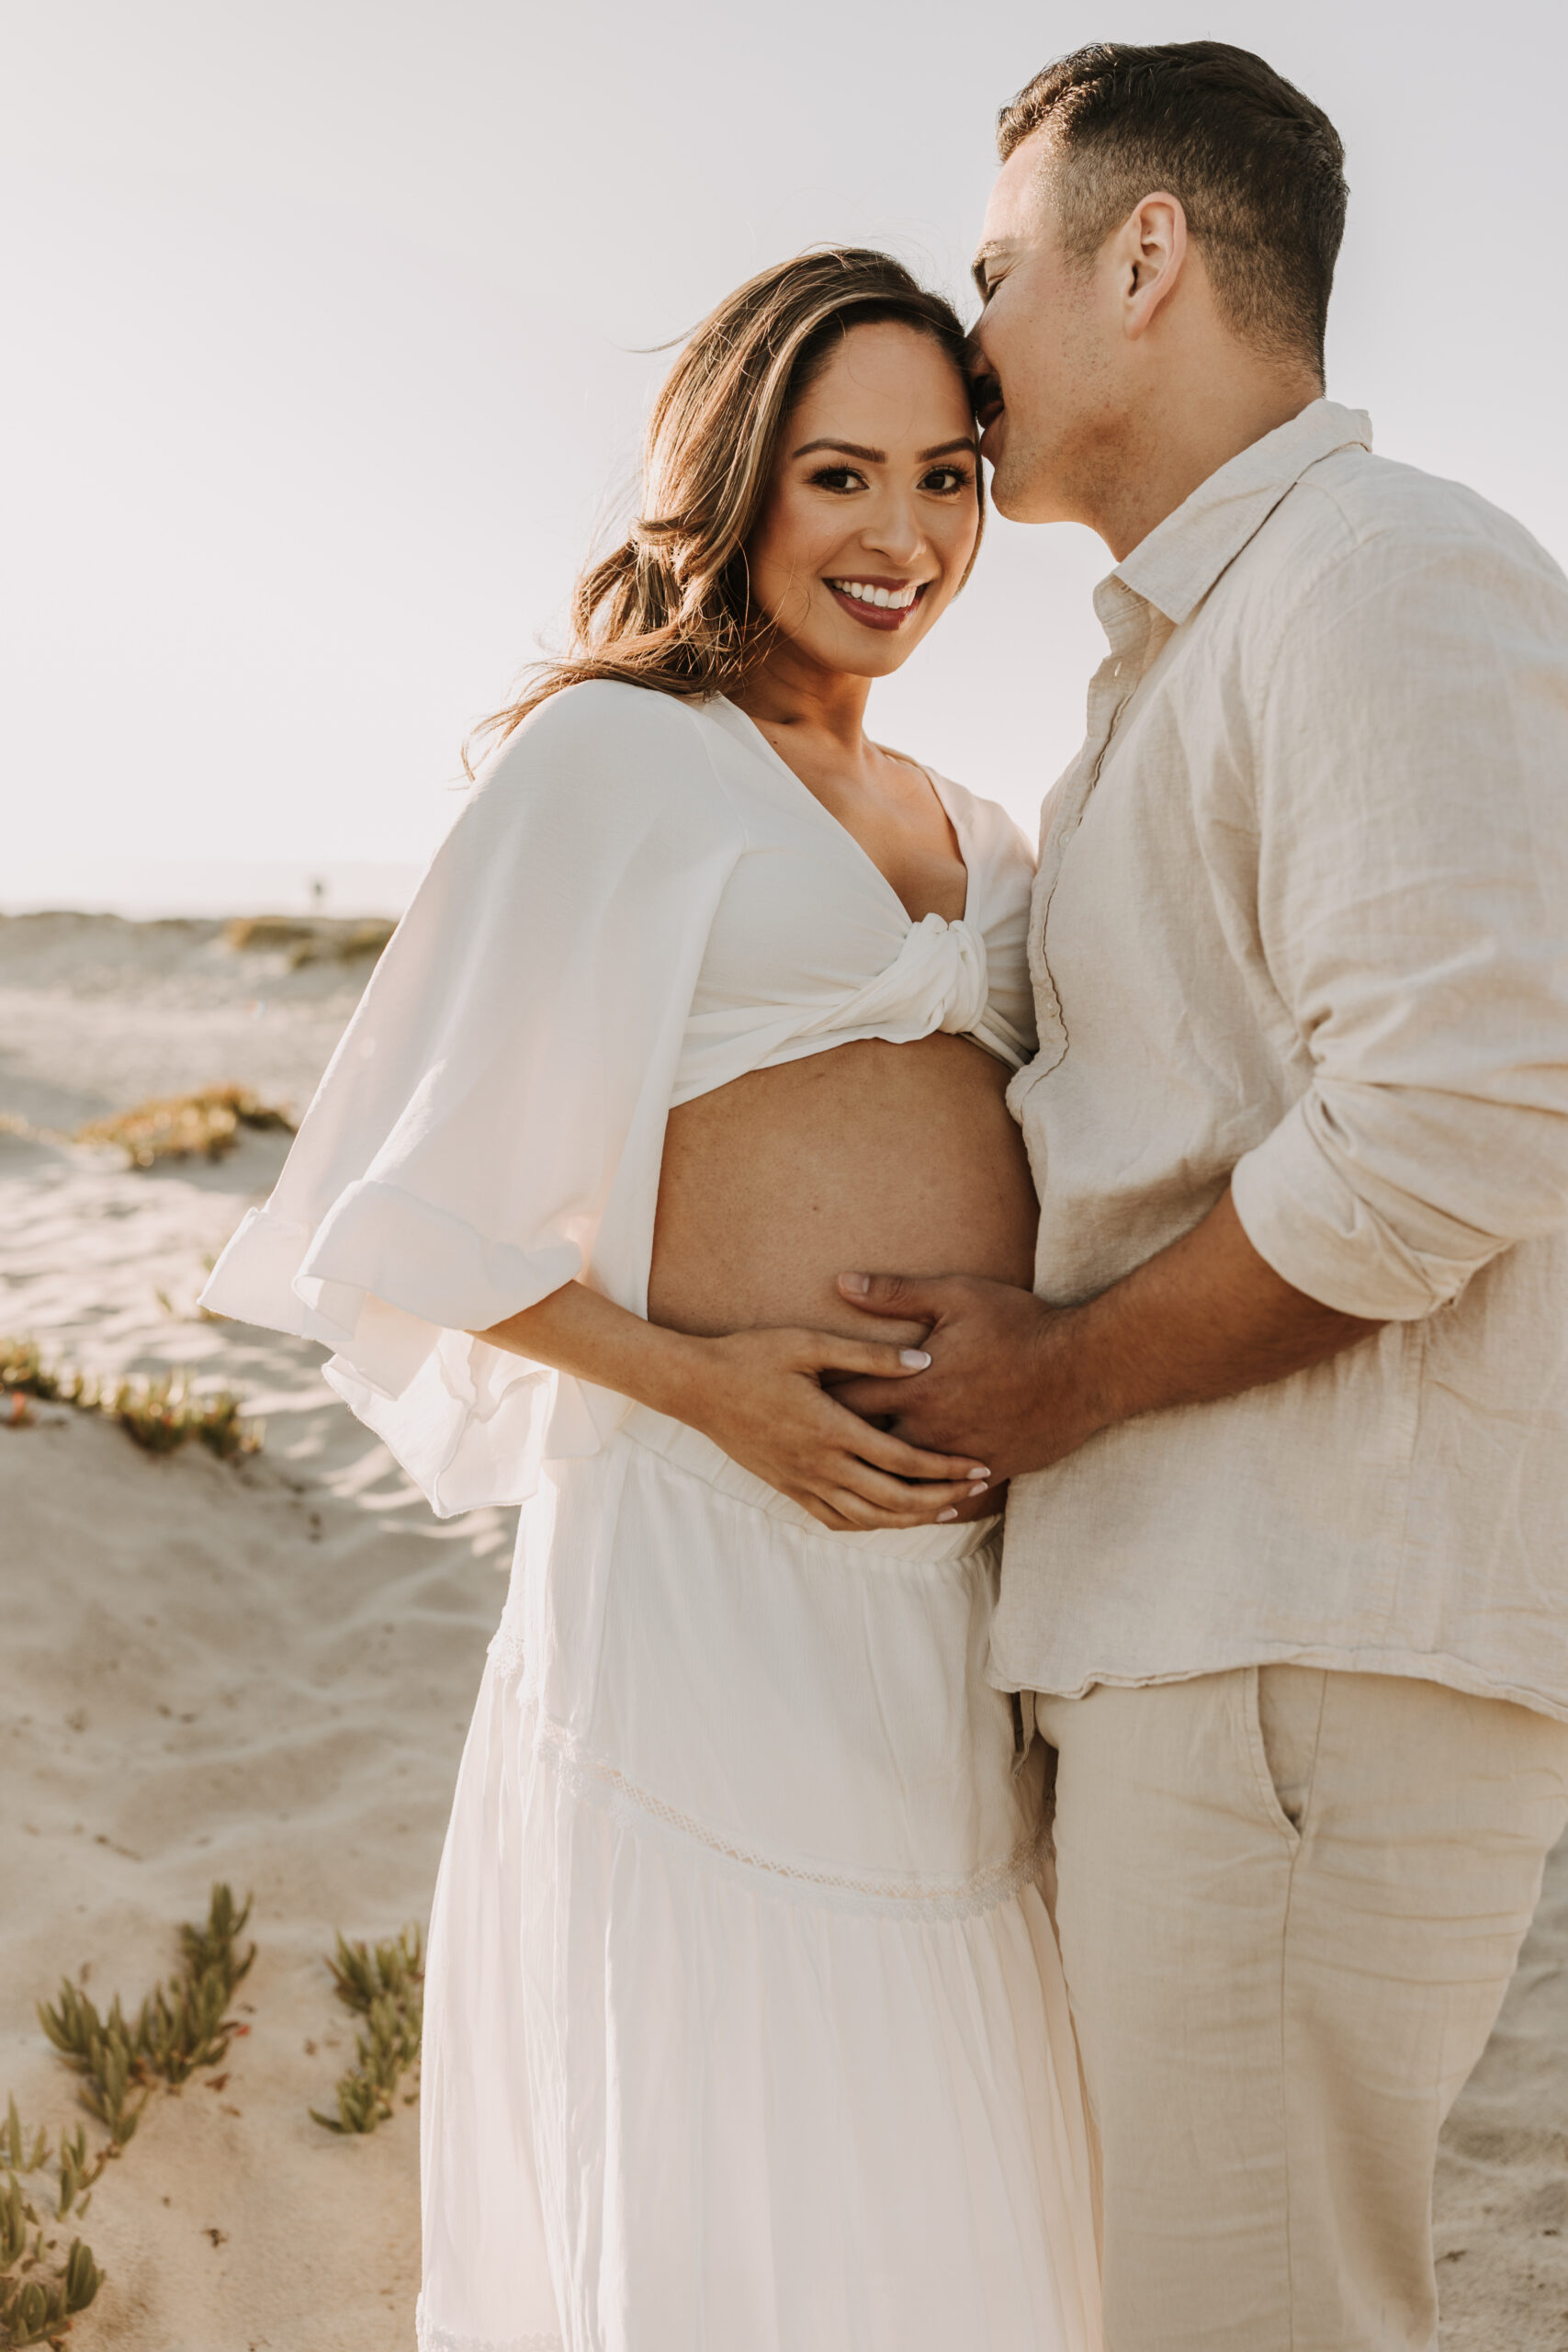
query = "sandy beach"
x=258 y=1671
x=261 y=1671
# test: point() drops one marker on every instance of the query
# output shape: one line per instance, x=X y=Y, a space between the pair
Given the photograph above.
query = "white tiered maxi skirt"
x=745 y=2029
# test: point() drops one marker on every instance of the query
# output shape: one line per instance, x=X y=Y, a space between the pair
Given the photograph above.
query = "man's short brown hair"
x=1258 y=169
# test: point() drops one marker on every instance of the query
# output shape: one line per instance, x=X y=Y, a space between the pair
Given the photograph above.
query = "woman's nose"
x=894 y=532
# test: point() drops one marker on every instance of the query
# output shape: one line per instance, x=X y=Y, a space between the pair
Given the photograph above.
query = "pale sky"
x=324 y=321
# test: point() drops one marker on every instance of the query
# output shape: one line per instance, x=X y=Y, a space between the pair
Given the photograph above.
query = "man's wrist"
x=1078 y=1379
x=1204 y=1318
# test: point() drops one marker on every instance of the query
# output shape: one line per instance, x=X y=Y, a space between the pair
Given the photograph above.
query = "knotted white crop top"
x=639 y=903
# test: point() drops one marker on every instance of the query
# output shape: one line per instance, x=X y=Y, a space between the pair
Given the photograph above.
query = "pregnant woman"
x=745 y=2028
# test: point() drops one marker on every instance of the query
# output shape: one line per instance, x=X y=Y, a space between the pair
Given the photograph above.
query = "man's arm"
x=1020 y=1384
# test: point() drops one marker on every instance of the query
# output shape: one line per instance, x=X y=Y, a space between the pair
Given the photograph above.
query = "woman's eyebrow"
x=879 y=457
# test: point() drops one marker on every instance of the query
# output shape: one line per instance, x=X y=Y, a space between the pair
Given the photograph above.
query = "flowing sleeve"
x=492 y=1124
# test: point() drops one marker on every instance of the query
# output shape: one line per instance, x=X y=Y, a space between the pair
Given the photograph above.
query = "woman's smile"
x=876 y=601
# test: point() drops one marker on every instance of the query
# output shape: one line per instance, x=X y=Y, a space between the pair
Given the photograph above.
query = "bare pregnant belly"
x=885 y=1159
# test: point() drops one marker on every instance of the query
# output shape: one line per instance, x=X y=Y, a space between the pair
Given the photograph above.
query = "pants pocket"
x=1276 y=1776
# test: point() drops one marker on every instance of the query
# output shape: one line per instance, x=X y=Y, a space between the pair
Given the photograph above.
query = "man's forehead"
x=1013 y=211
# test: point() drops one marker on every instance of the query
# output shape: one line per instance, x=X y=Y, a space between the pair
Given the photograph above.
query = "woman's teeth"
x=895 y=600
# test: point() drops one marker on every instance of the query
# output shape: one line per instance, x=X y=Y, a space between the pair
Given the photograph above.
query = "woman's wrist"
x=673 y=1373
x=580 y=1332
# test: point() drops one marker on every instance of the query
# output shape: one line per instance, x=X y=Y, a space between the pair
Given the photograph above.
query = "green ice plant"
x=384 y=1984
x=103 y=2051
x=43 y=2287
x=182 y=2024
x=159 y=1415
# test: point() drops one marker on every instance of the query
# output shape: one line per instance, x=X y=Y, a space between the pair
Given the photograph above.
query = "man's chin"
x=1016 y=493
x=1004 y=495
x=1023 y=491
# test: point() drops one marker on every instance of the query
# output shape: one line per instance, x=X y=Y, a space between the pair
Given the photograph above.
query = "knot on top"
x=946 y=961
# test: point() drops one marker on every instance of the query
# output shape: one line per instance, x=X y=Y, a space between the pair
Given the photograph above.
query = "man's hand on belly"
x=1018 y=1384
x=991 y=1371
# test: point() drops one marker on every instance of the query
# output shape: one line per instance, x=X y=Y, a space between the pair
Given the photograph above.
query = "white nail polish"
x=916 y=1358
x=942 y=1515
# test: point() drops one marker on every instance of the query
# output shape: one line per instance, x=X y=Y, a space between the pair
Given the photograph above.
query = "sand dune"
x=99 y=1011
x=263 y=1671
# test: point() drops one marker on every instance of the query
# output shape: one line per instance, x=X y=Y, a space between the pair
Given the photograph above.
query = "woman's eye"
x=837 y=478
x=946 y=481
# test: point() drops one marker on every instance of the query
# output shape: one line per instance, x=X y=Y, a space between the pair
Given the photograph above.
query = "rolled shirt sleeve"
x=1413 y=906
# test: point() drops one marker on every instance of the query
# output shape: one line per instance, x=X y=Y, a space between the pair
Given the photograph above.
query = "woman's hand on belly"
x=759 y=1395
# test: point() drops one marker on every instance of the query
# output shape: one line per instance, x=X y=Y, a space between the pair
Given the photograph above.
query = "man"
x=1287 y=1420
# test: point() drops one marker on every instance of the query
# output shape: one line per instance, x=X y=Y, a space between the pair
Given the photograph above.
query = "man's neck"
x=1180 y=438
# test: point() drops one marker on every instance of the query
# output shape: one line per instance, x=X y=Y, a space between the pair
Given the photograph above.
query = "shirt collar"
x=1180 y=562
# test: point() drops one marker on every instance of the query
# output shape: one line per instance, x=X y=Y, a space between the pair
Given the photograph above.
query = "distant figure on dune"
x=745 y=1162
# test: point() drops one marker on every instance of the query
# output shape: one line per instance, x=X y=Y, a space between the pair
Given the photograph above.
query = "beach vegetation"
x=161 y=1413
x=383 y=1985
x=182 y=2024
x=43 y=2284
x=305 y=942
x=177 y=1127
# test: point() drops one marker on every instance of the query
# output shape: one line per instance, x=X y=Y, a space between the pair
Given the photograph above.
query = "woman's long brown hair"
x=670 y=607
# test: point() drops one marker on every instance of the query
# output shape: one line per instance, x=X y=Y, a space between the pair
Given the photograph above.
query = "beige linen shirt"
x=1301 y=925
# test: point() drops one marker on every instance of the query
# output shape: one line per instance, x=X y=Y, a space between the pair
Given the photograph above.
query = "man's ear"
x=1151 y=250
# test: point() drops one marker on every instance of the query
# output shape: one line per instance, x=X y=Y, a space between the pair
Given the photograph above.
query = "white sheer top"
x=639 y=903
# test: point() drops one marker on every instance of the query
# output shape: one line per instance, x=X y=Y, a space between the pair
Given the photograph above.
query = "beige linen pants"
x=1290 y=1902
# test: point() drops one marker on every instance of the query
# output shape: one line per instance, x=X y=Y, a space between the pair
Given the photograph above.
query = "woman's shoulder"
x=599 y=718
x=605 y=747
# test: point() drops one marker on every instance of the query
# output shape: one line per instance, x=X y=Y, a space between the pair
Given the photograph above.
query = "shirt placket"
x=1126 y=620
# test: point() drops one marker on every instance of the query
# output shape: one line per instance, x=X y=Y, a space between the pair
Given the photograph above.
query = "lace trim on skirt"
x=507 y=1653
x=441 y=2339
x=879 y=1895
